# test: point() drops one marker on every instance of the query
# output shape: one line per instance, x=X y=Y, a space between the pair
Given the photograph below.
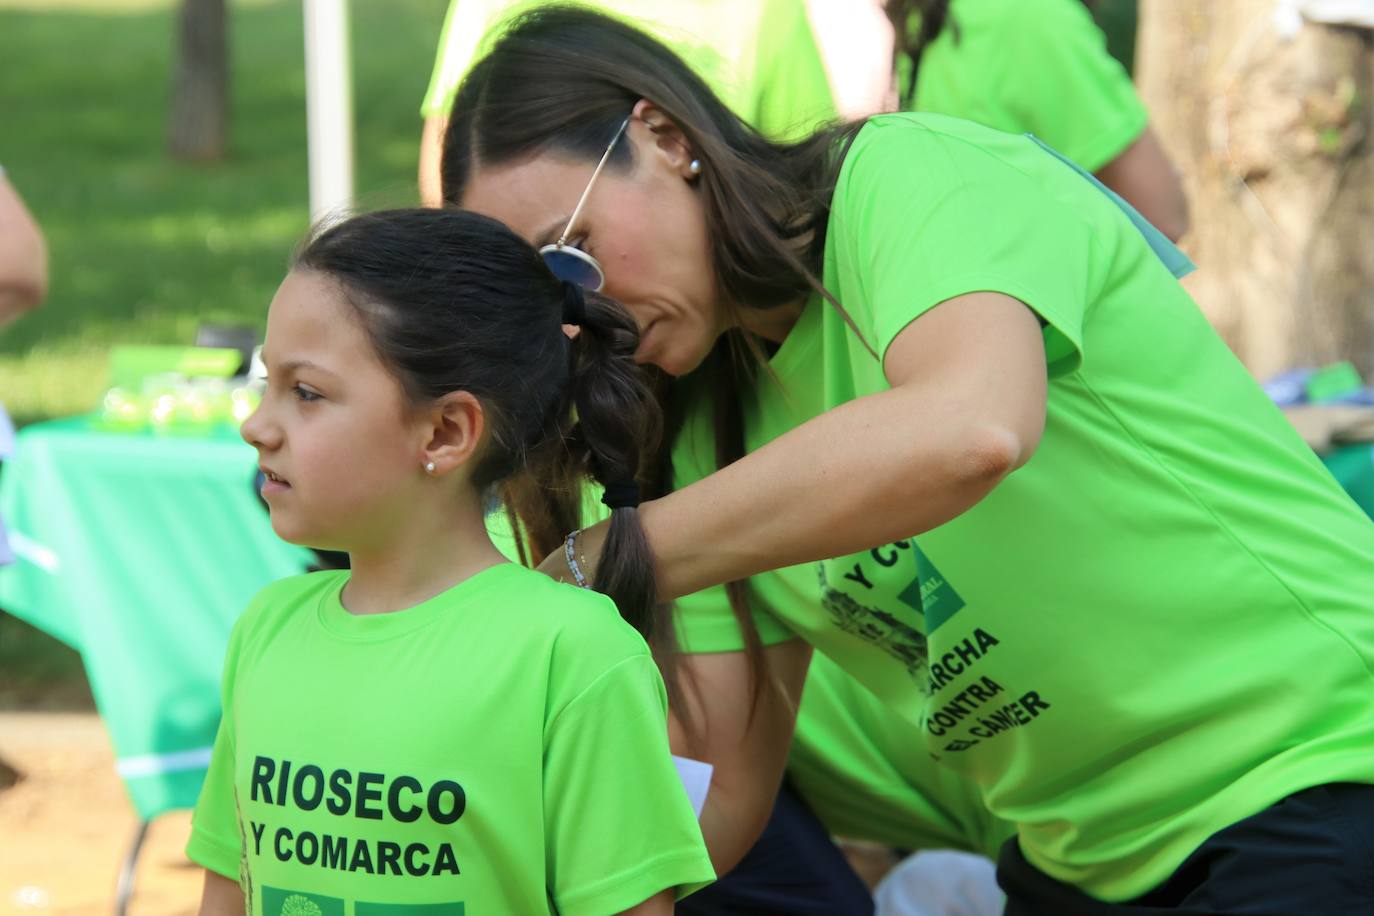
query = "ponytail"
x=618 y=422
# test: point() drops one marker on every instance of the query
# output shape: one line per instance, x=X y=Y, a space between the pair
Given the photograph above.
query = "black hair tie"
x=574 y=304
x=623 y=494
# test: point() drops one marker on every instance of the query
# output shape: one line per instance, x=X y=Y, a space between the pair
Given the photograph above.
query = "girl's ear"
x=454 y=427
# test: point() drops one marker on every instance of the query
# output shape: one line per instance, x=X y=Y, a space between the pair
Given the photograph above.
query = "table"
x=140 y=549
x=1353 y=468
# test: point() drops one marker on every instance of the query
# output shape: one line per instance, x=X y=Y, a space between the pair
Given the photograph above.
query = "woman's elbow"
x=988 y=453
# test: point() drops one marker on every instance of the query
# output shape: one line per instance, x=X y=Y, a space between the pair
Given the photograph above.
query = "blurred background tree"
x=198 y=127
x=1271 y=130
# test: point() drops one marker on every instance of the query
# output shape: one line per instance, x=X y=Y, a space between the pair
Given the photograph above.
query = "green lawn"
x=144 y=248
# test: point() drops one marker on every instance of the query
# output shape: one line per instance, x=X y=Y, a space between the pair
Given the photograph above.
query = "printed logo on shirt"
x=279 y=902
x=891 y=597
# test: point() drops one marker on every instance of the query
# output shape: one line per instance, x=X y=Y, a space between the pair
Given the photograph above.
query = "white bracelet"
x=572 y=561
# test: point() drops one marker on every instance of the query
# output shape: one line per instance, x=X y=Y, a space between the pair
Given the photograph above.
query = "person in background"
x=23 y=286
x=1023 y=66
x=760 y=55
x=23 y=256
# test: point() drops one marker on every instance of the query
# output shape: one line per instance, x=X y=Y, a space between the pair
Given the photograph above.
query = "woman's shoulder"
x=922 y=151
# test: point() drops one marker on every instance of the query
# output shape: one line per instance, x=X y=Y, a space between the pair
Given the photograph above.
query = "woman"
x=1124 y=554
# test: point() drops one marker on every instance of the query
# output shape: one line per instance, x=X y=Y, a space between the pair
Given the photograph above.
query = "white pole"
x=328 y=107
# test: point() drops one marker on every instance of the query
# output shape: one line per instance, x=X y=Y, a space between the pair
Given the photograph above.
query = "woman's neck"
x=772 y=324
x=431 y=553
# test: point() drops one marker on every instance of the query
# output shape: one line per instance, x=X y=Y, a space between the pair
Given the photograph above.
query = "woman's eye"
x=305 y=394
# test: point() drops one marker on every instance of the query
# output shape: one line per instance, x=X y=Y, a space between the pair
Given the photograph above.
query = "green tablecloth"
x=1353 y=468
x=140 y=550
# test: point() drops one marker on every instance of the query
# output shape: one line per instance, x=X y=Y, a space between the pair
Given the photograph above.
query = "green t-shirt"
x=1158 y=626
x=861 y=769
x=760 y=56
x=1030 y=66
x=500 y=748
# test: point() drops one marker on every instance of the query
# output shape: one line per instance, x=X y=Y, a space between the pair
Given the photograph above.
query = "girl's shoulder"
x=576 y=616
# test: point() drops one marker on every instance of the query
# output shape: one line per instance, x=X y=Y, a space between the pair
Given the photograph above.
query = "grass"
x=144 y=248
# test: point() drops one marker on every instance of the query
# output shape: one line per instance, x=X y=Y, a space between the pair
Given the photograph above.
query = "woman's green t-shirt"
x=500 y=748
x=1158 y=626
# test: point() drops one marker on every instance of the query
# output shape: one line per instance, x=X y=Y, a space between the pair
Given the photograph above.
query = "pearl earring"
x=694 y=167
x=429 y=466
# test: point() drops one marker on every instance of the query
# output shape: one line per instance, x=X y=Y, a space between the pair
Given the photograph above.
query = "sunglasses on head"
x=568 y=262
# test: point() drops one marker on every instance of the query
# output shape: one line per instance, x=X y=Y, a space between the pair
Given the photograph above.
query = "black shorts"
x=1311 y=854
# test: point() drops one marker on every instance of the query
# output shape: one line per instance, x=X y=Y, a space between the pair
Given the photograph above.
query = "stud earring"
x=429 y=467
x=694 y=167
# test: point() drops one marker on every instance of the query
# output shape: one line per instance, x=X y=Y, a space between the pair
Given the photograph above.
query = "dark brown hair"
x=454 y=301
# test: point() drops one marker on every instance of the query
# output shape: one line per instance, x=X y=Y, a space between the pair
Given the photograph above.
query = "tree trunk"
x=1272 y=135
x=199 y=123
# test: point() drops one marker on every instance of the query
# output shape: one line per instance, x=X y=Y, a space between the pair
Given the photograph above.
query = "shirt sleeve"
x=927 y=216
x=793 y=97
x=216 y=839
x=1068 y=90
x=618 y=823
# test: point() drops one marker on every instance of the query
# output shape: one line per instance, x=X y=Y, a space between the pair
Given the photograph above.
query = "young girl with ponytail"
x=438 y=730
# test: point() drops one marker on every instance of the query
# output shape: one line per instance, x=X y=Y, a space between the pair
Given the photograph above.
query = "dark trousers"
x=794 y=869
x=1311 y=854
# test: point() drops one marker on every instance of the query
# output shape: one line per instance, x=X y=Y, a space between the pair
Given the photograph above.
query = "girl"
x=440 y=731
x=1136 y=609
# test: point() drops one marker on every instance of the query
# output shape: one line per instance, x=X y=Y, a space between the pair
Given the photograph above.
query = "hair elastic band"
x=574 y=304
x=623 y=494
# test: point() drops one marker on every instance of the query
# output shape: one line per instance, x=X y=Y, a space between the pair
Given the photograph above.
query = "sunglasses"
x=568 y=262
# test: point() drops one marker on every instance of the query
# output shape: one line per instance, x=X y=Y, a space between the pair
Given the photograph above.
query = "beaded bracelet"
x=572 y=561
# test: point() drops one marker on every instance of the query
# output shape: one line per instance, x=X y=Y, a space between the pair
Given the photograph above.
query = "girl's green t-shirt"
x=760 y=56
x=1158 y=626
x=1030 y=66
x=500 y=748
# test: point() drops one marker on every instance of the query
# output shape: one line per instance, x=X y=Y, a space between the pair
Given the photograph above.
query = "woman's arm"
x=23 y=256
x=1146 y=177
x=966 y=408
x=660 y=904
x=746 y=748
x=220 y=897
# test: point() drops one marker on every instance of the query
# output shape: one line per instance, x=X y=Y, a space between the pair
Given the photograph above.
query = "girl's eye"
x=305 y=394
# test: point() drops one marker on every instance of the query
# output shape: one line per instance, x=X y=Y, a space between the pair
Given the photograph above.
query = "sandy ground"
x=66 y=825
